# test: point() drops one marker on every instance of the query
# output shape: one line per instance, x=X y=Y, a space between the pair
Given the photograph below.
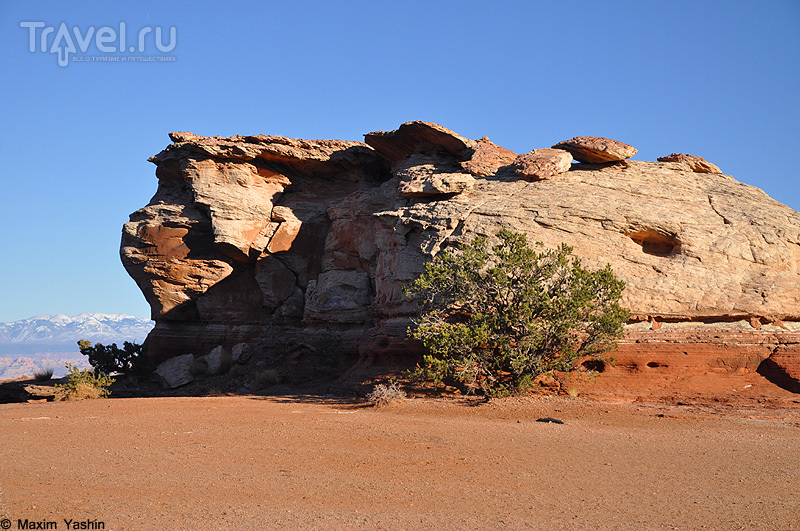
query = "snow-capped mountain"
x=94 y=327
x=49 y=341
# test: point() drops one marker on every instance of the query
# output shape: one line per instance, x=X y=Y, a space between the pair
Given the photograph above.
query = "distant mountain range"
x=94 y=327
x=49 y=341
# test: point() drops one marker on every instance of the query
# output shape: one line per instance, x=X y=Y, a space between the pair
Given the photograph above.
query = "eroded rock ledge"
x=278 y=242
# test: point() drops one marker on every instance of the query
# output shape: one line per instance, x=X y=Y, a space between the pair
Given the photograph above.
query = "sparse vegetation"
x=43 y=375
x=264 y=379
x=494 y=320
x=110 y=359
x=383 y=394
x=572 y=392
x=83 y=384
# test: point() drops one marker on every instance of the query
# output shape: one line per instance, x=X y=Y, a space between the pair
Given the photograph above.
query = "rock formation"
x=486 y=158
x=542 y=163
x=426 y=175
x=698 y=164
x=276 y=242
x=597 y=150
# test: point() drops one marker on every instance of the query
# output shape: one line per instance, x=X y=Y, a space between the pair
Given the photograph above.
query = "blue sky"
x=714 y=78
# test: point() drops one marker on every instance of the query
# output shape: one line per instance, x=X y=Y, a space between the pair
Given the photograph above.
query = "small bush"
x=572 y=392
x=383 y=394
x=43 y=375
x=82 y=384
x=495 y=319
x=110 y=359
x=264 y=379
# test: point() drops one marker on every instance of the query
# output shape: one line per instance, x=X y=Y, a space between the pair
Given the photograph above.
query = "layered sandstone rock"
x=215 y=214
x=270 y=241
x=723 y=360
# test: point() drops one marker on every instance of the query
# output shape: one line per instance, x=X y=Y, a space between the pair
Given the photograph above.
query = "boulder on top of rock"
x=487 y=157
x=423 y=175
x=415 y=136
x=696 y=163
x=542 y=163
x=596 y=149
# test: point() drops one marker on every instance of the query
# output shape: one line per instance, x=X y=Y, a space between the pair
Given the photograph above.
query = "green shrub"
x=82 y=384
x=493 y=320
x=130 y=360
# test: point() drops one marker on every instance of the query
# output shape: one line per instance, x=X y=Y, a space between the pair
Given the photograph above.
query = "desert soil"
x=317 y=463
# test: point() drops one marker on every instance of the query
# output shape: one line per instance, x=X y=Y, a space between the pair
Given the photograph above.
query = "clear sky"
x=719 y=79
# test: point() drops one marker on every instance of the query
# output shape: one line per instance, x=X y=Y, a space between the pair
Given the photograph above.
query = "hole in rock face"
x=654 y=242
x=654 y=364
x=594 y=365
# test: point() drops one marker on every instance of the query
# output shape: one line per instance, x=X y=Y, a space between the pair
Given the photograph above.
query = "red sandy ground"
x=309 y=463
